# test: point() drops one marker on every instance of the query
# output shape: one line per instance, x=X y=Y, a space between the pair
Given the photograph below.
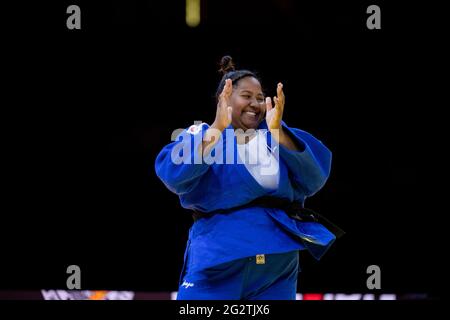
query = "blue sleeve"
x=179 y=165
x=310 y=166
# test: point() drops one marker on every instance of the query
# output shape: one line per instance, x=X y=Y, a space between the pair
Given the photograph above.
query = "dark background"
x=85 y=113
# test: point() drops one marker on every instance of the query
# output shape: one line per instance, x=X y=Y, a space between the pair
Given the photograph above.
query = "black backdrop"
x=86 y=112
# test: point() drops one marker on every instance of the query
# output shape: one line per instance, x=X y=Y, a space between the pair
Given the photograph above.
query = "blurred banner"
x=139 y=295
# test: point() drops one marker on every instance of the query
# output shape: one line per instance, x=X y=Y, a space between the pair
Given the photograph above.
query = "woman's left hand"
x=274 y=115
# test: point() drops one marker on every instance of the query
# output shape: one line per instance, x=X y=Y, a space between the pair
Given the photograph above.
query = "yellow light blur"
x=192 y=13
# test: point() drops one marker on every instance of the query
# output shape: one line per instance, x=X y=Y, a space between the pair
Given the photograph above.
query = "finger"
x=279 y=88
x=228 y=87
x=279 y=109
x=280 y=96
x=268 y=104
x=225 y=94
x=230 y=109
x=225 y=88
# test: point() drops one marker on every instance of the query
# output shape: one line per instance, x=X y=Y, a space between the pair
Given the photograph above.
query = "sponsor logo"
x=187 y=284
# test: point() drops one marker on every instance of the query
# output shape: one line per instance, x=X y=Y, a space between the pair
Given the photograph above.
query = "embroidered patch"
x=260 y=259
x=194 y=129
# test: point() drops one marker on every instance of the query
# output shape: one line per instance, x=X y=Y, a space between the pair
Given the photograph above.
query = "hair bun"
x=226 y=65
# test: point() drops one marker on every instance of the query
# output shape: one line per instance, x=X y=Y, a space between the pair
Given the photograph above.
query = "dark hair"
x=227 y=69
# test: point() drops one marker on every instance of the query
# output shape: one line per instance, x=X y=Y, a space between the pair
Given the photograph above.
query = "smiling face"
x=248 y=104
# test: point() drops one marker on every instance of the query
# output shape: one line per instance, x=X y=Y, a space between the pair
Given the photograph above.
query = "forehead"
x=249 y=83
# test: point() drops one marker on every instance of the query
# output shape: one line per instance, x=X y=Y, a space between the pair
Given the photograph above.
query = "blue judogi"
x=246 y=232
x=244 y=279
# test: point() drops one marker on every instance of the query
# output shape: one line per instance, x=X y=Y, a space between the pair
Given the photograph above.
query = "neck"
x=243 y=137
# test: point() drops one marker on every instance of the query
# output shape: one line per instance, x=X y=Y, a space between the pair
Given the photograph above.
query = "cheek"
x=237 y=112
x=238 y=106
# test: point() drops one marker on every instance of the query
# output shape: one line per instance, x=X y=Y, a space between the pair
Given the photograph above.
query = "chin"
x=245 y=125
x=254 y=125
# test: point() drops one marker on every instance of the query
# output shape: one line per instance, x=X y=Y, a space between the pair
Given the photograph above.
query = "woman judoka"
x=245 y=240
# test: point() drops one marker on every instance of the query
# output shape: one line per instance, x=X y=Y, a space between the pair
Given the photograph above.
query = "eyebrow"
x=245 y=90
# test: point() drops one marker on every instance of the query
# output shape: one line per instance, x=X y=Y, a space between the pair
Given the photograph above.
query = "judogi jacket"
x=208 y=186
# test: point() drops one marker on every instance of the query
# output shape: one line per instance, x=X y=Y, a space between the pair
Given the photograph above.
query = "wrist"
x=278 y=134
x=282 y=134
x=217 y=126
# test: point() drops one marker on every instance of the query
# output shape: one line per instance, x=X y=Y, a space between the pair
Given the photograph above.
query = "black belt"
x=295 y=210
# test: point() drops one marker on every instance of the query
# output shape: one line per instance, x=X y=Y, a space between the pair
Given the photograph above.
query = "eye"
x=260 y=99
x=246 y=96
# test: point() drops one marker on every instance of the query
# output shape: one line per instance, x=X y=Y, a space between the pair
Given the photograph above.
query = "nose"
x=254 y=103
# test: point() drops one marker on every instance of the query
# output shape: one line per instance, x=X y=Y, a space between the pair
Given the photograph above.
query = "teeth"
x=252 y=113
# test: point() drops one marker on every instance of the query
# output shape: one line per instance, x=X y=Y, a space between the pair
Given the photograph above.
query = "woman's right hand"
x=222 y=121
x=223 y=113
